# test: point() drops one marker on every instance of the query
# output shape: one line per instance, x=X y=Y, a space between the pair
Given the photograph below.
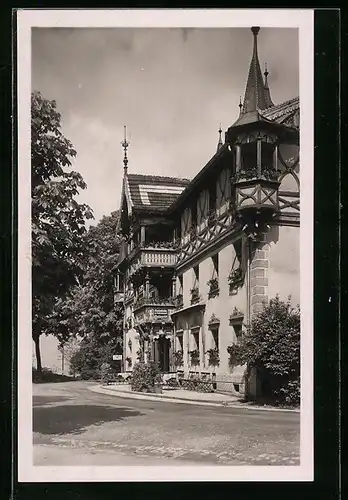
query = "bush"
x=271 y=345
x=144 y=377
x=89 y=358
x=47 y=376
x=106 y=373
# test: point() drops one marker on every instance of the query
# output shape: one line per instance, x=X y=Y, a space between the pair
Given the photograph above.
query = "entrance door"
x=163 y=345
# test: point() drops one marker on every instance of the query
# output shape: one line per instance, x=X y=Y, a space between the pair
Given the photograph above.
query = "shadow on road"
x=42 y=400
x=74 y=419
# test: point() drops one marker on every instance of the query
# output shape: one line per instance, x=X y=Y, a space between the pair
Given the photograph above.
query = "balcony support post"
x=147 y=285
x=259 y=157
x=174 y=286
x=142 y=235
x=238 y=158
x=275 y=157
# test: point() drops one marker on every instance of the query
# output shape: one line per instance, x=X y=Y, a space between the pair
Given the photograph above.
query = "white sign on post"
x=117 y=357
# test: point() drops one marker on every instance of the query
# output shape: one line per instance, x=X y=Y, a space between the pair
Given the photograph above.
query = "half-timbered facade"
x=200 y=257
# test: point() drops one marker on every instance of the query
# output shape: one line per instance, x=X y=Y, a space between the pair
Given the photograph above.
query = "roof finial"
x=240 y=105
x=268 y=99
x=125 y=145
x=220 y=143
x=266 y=73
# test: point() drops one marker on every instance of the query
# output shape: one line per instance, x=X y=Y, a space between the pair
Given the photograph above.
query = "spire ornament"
x=125 y=145
x=220 y=143
x=240 y=105
x=268 y=99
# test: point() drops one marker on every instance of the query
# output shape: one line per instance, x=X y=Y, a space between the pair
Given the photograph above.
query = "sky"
x=171 y=87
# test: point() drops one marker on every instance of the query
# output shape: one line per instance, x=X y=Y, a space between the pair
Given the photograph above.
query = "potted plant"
x=194 y=356
x=178 y=358
x=214 y=358
x=213 y=284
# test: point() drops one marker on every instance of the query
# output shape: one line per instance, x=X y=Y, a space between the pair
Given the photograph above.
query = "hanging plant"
x=234 y=354
x=214 y=358
x=194 y=355
x=129 y=361
x=235 y=278
x=212 y=216
x=178 y=358
x=194 y=294
x=213 y=288
x=179 y=300
x=140 y=355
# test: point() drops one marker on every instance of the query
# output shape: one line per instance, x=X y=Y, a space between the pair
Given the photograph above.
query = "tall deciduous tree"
x=58 y=220
x=89 y=310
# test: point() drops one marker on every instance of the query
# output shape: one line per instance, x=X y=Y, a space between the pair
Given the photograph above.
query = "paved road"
x=70 y=421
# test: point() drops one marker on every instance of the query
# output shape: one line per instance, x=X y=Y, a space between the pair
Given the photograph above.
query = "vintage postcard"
x=165 y=245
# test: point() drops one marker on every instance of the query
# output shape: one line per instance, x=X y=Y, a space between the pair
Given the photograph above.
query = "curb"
x=126 y=395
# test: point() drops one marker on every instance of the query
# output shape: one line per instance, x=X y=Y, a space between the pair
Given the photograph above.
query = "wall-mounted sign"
x=117 y=357
x=161 y=312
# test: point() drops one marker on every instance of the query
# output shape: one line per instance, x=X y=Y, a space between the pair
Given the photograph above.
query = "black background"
x=329 y=198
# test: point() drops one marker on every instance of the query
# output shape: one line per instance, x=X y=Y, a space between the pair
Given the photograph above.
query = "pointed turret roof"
x=254 y=97
x=257 y=95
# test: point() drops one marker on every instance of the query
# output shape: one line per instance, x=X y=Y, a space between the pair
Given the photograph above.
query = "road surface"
x=73 y=425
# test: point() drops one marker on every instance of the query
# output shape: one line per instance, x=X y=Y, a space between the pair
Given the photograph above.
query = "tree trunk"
x=38 y=354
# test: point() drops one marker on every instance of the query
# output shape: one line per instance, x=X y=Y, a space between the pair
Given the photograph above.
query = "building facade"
x=200 y=257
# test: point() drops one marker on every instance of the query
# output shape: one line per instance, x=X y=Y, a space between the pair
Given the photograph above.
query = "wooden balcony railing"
x=158 y=257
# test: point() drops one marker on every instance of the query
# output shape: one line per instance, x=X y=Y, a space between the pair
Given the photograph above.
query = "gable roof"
x=154 y=192
x=281 y=112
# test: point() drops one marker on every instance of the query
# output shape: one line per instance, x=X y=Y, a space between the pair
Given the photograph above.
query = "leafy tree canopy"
x=89 y=311
x=58 y=220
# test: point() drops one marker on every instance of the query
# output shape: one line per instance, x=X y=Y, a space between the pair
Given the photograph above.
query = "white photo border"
x=303 y=19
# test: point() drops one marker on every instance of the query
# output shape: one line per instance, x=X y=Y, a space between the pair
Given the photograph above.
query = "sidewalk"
x=181 y=396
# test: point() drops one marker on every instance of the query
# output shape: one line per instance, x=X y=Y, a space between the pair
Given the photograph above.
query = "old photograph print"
x=166 y=259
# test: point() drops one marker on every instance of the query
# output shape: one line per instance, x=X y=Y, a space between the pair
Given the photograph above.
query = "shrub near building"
x=145 y=376
x=271 y=347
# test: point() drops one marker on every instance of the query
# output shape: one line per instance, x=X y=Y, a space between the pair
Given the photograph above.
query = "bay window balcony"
x=256 y=178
